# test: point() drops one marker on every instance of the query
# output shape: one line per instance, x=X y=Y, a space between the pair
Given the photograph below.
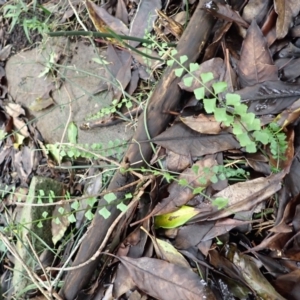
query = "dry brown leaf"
x=286 y=10
x=165 y=281
x=225 y=12
x=203 y=124
x=144 y=19
x=255 y=279
x=103 y=21
x=182 y=140
x=243 y=196
x=256 y=64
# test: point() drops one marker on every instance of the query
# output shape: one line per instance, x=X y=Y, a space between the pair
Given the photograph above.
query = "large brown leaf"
x=182 y=140
x=286 y=10
x=165 y=281
x=256 y=64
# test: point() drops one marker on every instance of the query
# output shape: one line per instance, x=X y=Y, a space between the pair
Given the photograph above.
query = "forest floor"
x=149 y=149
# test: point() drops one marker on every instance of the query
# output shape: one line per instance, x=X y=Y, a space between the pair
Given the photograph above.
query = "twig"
x=38 y=259
x=38 y=282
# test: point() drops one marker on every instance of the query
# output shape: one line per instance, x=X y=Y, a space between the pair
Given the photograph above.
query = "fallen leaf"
x=256 y=64
x=269 y=97
x=254 y=277
x=225 y=12
x=182 y=140
x=203 y=124
x=103 y=21
x=144 y=19
x=286 y=10
x=165 y=281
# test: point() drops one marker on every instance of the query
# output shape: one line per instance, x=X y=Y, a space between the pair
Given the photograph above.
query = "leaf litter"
x=238 y=241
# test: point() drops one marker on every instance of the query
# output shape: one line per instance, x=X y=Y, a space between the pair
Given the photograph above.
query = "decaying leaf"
x=203 y=124
x=182 y=140
x=224 y=12
x=286 y=10
x=270 y=97
x=252 y=275
x=256 y=64
x=165 y=281
x=144 y=19
x=103 y=21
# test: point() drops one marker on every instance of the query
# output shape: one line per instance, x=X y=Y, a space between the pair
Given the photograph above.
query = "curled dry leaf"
x=5 y=52
x=165 y=281
x=286 y=10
